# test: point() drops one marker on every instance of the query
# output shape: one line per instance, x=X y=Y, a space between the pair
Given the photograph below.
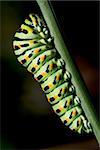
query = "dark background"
x=28 y=121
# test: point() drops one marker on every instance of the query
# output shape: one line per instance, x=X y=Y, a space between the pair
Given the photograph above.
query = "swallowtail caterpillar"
x=35 y=50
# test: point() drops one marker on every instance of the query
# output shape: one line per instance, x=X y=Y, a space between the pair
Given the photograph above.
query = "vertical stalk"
x=81 y=90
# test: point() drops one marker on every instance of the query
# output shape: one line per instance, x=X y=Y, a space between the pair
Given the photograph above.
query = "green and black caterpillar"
x=35 y=50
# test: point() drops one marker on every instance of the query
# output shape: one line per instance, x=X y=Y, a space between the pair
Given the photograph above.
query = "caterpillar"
x=35 y=50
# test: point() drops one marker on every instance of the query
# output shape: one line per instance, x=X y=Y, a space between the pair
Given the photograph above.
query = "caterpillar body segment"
x=35 y=50
x=40 y=60
x=65 y=104
x=47 y=69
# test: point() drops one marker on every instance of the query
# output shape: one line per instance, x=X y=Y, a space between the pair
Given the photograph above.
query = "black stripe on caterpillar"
x=35 y=50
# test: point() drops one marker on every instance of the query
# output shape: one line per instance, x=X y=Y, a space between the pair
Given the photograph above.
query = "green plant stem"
x=81 y=90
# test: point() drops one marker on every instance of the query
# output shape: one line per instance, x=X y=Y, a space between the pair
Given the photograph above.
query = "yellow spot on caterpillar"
x=35 y=66
x=43 y=74
x=79 y=121
x=63 y=89
x=67 y=119
x=21 y=62
x=34 y=21
x=50 y=85
x=51 y=66
x=61 y=108
x=19 y=46
x=74 y=112
x=36 y=51
x=42 y=57
x=48 y=99
x=30 y=30
x=68 y=102
x=55 y=96
x=26 y=57
x=58 y=77
x=31 y=42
